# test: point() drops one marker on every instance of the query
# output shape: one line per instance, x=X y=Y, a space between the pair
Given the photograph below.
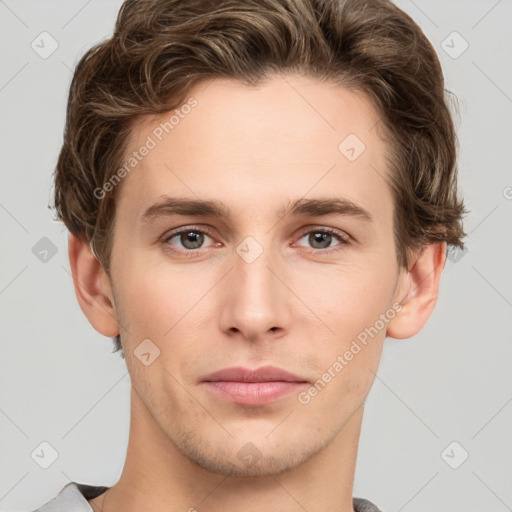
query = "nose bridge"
x=256 y=299
x=253 y=277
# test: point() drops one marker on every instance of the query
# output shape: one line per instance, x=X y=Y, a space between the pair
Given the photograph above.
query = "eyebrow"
x=301 y=207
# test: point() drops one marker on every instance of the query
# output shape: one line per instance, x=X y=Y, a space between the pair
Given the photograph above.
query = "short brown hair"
x=161 y=48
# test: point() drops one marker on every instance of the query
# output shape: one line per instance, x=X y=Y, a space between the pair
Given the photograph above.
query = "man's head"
x=315 y=149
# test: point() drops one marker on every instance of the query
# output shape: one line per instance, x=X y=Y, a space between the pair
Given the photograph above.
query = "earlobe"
x=421 y=292
x=92 y=287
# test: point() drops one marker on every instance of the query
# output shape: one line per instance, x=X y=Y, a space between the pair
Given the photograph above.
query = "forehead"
x=287 y=137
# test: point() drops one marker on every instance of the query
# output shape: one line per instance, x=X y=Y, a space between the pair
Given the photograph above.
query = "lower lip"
x=253 y=393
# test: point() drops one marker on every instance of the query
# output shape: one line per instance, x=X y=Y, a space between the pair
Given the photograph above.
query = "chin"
x=245 y=458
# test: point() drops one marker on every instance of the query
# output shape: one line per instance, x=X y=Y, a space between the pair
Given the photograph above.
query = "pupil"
x=192 y=240
x=323 y=238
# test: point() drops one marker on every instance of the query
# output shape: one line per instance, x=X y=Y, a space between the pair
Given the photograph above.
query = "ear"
x=418 y=291
x=92 y=287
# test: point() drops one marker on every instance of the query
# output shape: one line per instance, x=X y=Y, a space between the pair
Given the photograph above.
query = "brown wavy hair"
x=161 y=48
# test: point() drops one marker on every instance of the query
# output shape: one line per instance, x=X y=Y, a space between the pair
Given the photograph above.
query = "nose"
x=256 y=301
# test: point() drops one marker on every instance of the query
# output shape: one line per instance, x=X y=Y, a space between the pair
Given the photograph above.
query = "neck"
x=157 y=476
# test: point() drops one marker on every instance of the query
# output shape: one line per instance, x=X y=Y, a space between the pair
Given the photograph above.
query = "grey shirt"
x=74 y=496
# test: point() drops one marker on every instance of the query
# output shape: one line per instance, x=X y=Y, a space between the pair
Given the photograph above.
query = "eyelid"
x=344 y=238
x=170 y=234
x=191 y=253
x=178 y=231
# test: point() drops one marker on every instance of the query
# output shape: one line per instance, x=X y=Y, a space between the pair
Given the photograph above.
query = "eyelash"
x=343 y=239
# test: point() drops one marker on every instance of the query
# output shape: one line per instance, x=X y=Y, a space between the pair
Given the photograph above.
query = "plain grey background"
x=438 y=398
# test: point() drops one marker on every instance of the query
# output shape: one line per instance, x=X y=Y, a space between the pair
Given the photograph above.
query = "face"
x=277 y=280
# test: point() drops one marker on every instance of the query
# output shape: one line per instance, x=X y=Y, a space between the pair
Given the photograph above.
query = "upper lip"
x=263 y=374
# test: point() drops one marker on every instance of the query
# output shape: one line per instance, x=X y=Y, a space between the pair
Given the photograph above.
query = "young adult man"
x=258 y=193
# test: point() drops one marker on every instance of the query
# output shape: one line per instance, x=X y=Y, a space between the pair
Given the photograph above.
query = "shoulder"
x=362 y=505
x=72 y=498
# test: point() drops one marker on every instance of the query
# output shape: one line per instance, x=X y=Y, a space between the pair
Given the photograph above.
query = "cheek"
x=153 y=298
x=350 y=301
x=347 y=297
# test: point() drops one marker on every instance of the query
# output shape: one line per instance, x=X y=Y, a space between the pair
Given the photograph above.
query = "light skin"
x=257 y=150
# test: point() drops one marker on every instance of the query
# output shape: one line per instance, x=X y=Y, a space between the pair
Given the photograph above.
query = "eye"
x=190 y=239
x=322 y=238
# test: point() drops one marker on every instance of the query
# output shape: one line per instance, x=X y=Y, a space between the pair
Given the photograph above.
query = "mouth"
x=253 y=387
